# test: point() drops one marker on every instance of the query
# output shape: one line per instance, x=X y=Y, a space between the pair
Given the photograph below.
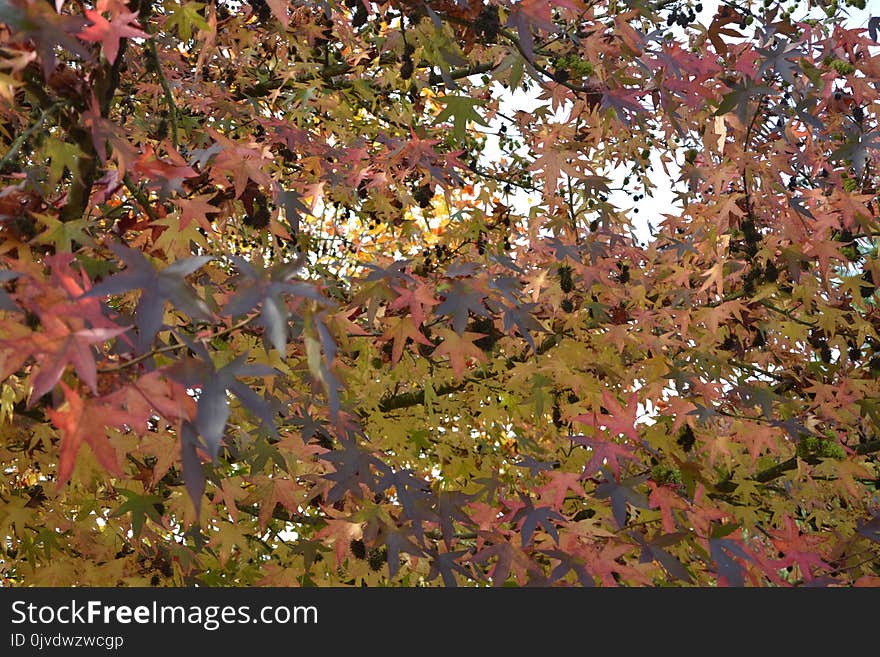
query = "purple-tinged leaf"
x=871 y=529
x=129 y=279
x=328 y=345
x=460 y=301
x=725 y=565
x=621 y=494
x=183 y=297
x=149 y=313
x=569 y=563
x=254 y=403
x=446 y=565
x=186 y=266
x=212 y=413
x=193 y=474
x=395 y=543
x=6 y=302
x=521 y=318
x=651 y=551
x=532 y=517
x=273 y=318
x=294 y=208
x=244 y=299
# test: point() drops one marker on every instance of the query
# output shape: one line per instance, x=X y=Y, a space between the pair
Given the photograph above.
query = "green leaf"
x=141 y=507
x=460 y=109
x=185 y=17
x=61 y=155
x=62 y=234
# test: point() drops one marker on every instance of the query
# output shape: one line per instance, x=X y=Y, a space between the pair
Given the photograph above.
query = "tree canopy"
x=439 y=292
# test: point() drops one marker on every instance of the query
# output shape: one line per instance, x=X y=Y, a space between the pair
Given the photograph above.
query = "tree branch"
x=417 y=397
x=776 y=471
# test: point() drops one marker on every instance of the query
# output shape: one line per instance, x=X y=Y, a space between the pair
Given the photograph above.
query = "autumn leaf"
x=121 y=25
x=59 y=346
x=459 y=348
x=157 y=287
x=85 y=421
x=402 y=330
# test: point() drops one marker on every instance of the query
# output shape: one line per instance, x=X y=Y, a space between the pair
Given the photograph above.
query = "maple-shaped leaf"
x=397 y=541
x=604 y=452
x=569 y=562
x=415 y=498
x=532 y=516
x=140 y=507
x=528 y=14
x=450 y=505
x=157 y=288
x=255 y=285
x=722 y=550
x=282 y=491
x=521 y=318
x=58 y=345
x=798 y=547
x=461 y=300
x=401 y=330
x=652 y=550
x=294 y=208
x=871 y=528
x=460 y=109
x=197 y=209
x=120 y=26
x=279 y=10
x=857 y=150
x=459 y=348
x=215 y=384
x=50 y=30
x=446 y=564
x=509 y=557
x=739 y=97
x=560 y=484
x=618 y=420
x=184 y=17
x=416 y=298
x=873 y=27
x=717 y=29
x=354 y=467
x=85 y=421
x=339 y=532
x=165 y=176
x=621 y=494
x=782 y=59
x=666 y=499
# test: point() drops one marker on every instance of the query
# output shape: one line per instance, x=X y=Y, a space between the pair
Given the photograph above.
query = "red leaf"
x=109 y=33
x=85 y=420
x=58 y=346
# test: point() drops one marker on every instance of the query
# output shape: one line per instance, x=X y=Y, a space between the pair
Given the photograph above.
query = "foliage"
x=290 y=298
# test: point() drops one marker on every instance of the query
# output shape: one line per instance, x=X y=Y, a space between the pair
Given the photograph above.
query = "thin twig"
x=169 y=97
x=24 y=136
x=139 y=197
x=176 y=347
